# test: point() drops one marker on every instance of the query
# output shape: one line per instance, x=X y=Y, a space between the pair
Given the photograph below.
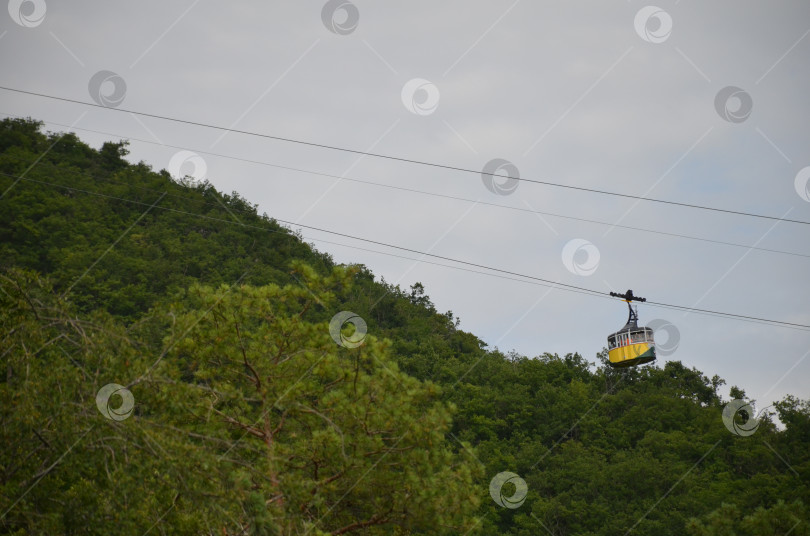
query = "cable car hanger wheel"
x=631 y=345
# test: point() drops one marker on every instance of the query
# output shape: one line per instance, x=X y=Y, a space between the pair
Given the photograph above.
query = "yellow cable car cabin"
x=631 y=345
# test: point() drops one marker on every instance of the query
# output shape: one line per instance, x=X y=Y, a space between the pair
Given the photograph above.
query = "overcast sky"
x=611 y=95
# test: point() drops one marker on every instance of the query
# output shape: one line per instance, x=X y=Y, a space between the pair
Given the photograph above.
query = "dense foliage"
x=248 y=418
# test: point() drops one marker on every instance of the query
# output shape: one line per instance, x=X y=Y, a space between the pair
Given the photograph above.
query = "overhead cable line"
x=546 y=282
x=401 y=159
x=422 y=192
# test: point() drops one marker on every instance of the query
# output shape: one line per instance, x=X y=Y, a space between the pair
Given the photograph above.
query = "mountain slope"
x=102 y=242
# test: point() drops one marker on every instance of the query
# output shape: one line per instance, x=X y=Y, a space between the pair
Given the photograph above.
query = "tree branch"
x=373 y=520
x=239 y=424
x=256 y=380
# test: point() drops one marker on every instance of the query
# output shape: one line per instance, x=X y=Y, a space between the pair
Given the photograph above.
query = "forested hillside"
x=235 y=410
